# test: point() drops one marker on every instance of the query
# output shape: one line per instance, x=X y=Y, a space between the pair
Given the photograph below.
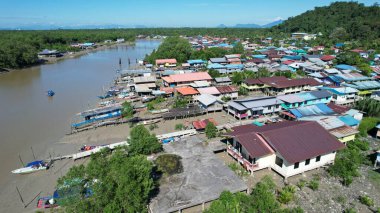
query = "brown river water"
x=30 y=121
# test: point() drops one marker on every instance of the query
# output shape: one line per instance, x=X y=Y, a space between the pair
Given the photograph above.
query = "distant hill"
x=269 y=25
x=272 y=24
x=221 y=26
x=340 y=19
x=247 y=26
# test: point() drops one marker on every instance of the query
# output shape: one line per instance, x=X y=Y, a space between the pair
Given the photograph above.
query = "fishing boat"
x=50 y=93
x=98 y=115
x=32 y=167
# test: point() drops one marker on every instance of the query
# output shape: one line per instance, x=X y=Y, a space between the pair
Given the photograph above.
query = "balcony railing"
x=237 y=155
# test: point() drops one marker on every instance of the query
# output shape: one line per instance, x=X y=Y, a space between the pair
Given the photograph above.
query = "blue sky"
x=153 y=13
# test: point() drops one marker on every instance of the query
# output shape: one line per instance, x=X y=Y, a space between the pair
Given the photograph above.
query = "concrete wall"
x=266 y=161
x=347 y=138
x=288 y=169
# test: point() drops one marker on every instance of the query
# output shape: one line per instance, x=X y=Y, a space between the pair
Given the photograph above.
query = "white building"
x=289 y=148
x=343 y=95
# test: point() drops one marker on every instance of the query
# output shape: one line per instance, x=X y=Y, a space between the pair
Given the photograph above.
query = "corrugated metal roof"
x=255 y=146
x=206 y=99
x=187 y=91
x=218 y=60
x=306 y=96
x=222 y=79
x=291 y=98
x=343 y=131
x=320 y=94
x=227 y=89
x=328 y=122
x=188 y=77
x=296 y=141
x=302 y=141
x=259 y=102
x=209 y=90
x=349 y=120
x=313 y=110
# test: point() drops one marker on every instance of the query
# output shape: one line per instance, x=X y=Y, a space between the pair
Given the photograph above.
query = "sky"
x=151 y=13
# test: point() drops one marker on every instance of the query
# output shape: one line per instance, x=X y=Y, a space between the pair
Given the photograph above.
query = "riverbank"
x=32 y=186
x=34 y=125
x=70 y=55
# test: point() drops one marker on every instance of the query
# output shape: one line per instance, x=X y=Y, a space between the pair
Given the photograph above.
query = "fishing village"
x=199 y=120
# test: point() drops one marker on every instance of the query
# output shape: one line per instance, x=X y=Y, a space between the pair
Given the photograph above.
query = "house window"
x=296 y=165
x=279 y=161
x=318 y=158
x=269 y=108
x=307 y=162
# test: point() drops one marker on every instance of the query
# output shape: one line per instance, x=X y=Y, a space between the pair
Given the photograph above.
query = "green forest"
x=339 y=22
x=19 y=48
x=180 y=49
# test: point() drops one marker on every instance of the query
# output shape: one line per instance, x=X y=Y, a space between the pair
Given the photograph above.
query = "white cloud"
x=278 y=18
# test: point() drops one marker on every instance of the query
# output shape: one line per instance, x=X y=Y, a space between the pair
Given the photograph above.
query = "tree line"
x=181 y=50
x=20 y=48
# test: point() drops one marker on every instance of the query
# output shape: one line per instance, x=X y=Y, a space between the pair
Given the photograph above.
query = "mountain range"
x=269 y=25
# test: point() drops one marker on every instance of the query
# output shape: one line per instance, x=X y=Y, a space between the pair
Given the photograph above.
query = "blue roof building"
x=349 y=120
x=345 y=67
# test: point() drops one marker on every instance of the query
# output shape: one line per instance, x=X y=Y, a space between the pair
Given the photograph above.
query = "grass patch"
x=301 y=183
x=374 y=177
x=366 y=200
x=367 y=125
x=239 y=170
x=314 y=183
x=340 y=199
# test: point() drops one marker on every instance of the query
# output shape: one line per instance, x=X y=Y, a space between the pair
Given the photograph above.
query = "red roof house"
x=186 y=78
x=290 y=147
x=201 y=124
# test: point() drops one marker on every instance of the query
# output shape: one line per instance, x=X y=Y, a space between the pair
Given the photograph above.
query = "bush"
x=367 y=124
x=313 y=184
x=179 y=127
x=180 y=102
x=142 y=142
x=347 y=162
x=301 y=183
x=340 y=199
x=211 y=130
x=127 y=110
x=370 y=106
x=349 y=210
x=152 y=127
x=238 y=169
x=362 y=145
x=169 y=164
x=226 y=98
x=286 y=194
x=366 y=200
x=242 y=91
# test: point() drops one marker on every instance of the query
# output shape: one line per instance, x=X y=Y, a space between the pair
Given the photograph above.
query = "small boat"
x=32 y=167
x=46 y=202
x=159 y=111
x=145 y=99
x=107 y=103
x=87 y=148
x=147 y=122
x=50 y=93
